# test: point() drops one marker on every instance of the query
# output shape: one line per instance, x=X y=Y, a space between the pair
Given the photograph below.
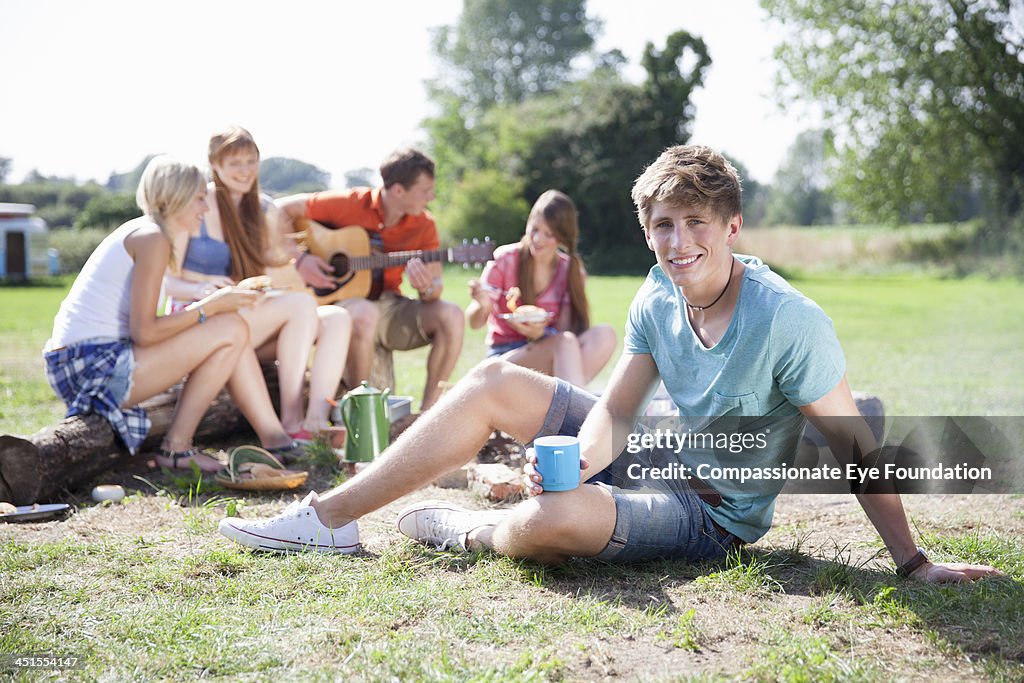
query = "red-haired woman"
x=235 y=242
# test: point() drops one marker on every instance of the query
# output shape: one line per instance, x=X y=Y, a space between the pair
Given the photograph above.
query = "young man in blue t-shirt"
x=728 y=338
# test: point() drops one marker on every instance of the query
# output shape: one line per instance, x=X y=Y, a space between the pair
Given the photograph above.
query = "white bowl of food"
x=527 y=314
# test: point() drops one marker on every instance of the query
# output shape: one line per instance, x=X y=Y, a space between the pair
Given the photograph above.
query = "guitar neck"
x=397 y=258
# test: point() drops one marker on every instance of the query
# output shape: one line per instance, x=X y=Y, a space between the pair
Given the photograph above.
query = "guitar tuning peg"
x=476 y=241
x=465 y=241
x=465 y=266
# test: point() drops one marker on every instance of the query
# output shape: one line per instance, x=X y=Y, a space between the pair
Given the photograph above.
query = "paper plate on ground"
x=251 y=468
x=35 y=513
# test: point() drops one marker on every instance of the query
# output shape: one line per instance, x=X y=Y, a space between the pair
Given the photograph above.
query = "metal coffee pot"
x=366 y=415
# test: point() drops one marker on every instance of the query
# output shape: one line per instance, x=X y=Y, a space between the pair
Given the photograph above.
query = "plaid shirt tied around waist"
x=80 y=374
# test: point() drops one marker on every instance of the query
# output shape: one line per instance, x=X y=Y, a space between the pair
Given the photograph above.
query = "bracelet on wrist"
x=195 y=306
x=913 y=564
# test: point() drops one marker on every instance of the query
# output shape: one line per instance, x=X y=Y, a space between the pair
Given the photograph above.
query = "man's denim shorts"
x=671 y=523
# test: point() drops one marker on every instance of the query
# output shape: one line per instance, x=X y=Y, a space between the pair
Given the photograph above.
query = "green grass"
x=929 y=346
x=179 y=605
x=925 y=345
x=148 y=590
x=609 y=297
x=26 y=320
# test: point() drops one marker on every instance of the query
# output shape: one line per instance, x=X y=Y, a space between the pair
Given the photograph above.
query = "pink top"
x=503 y=273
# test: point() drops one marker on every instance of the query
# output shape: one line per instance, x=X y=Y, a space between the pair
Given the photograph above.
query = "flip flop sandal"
x=251 y=468
x=177 y=456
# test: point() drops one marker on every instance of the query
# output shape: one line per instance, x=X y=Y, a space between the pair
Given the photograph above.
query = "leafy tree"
x=281 y=175
x=503 y=51
x=925 y=96
x=34 y=177
x=514 y=120
x=489 y=203
x=108 y=211
x=755 y=195
x=5 y=168
x=590 y=139
x=801 y=193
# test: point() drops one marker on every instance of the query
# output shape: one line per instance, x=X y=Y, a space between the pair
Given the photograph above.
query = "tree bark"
x=66 y=455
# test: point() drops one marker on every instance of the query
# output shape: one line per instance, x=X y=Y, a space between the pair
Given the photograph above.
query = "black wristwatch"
x=913 y=564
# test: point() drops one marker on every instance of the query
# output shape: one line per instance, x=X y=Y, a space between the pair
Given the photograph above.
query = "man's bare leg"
x=552 y=527
x=495 y=395
x=443 y=321
x=365 y=315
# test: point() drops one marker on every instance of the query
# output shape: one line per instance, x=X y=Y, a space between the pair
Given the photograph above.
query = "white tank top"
x=99 y=303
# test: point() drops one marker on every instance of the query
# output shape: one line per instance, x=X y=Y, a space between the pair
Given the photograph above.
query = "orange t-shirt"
x=361 y=206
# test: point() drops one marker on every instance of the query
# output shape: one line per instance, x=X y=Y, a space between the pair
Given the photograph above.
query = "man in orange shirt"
x=396 y=212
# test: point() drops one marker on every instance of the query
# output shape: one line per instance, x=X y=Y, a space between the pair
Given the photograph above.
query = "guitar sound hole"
x=341 y=275
x=340 y=264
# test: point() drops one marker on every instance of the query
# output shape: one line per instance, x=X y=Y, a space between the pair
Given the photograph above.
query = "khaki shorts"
x=399 y=327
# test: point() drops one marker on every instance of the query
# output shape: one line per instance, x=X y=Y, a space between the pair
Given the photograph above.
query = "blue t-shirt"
x=779 y=352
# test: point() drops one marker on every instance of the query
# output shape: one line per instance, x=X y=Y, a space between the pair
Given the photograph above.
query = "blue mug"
x=558 y=461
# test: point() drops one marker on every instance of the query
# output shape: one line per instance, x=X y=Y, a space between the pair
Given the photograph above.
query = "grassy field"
x=926 y=345
x=148 y=590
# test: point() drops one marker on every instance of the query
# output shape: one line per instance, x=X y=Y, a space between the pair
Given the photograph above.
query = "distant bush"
x=281 y=175
x=58 y=216
x=76 y=245
x=58 y=203
x=108 y=209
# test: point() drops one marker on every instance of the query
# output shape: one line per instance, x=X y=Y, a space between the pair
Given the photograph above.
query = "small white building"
x=23 y=243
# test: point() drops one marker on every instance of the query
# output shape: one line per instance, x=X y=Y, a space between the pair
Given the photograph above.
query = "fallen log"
x=63 y=456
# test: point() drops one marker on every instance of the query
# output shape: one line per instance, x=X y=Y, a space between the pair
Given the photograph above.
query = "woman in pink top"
x=542 y=270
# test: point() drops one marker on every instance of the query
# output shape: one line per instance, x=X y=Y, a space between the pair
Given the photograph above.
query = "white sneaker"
x=297 y=529
x=442 y=524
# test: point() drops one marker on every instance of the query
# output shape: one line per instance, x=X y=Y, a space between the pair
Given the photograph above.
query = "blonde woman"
x=109 y=350
x=544 y=271
x=235 y=242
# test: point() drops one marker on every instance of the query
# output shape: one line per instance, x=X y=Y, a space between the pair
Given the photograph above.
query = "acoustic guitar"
x=358 y=259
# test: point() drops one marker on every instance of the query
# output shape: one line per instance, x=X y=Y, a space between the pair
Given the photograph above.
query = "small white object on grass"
x=111 y=492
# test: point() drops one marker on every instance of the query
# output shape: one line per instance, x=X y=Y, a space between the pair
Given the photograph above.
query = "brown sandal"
x=251 y=468
x=176 y=458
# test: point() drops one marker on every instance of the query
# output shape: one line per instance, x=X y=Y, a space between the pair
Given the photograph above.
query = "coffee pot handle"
x=345 y=410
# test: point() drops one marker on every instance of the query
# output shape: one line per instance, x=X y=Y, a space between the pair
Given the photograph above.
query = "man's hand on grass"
x=941 y=572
